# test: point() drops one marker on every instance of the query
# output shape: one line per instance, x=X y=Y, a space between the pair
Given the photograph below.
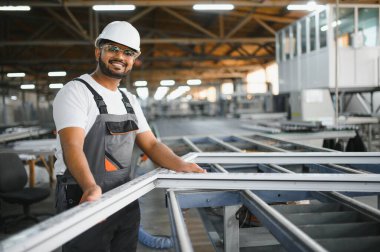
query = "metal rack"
x=333 y=222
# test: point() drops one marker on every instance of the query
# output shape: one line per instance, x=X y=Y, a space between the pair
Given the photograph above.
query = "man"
x=97 y=127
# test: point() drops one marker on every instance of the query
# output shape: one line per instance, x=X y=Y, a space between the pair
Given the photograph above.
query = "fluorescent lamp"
x=14 y=75
x=202 y=7
x=124 y=7
x=178 y=92
x=14 y=98
x=167 y=82
x=15 y=8
x=310 y=6
x=160 y=93
x=27 y=86
x=194 y=82
x=55 y=85
x=142 y=92
x=333 y=24
x=57 y=73
x=141 y=83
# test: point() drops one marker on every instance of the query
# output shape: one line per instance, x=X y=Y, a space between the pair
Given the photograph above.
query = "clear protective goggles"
x=115 y=50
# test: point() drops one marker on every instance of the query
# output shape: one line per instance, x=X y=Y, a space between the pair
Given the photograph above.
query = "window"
x=368 y=30
x=345 y=26
x=271 y=72
x=256 y=82
x=227 y=88
x=211 y=94
x=287 y=45
x=312 y=33
x=322 y=29
x=303 y=36
x=280 y=47
x=294 y=40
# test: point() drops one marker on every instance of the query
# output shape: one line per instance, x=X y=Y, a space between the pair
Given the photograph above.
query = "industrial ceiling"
x=178 y=42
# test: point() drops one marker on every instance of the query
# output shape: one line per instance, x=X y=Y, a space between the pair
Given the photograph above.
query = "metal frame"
x=59 y=229
x=288 y=158
x=288 y=234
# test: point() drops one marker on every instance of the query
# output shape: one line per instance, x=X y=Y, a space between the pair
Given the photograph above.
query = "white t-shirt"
x=74 y=106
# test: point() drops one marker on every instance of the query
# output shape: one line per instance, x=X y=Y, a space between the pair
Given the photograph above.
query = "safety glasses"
x=115 y=50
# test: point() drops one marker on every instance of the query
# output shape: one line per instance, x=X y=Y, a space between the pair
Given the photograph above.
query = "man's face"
x=115 y=60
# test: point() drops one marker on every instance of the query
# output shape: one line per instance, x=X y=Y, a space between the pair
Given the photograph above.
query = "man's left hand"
x=191 y=167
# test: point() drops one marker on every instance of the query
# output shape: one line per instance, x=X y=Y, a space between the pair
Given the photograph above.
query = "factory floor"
x=155 y=218
x=169 y=127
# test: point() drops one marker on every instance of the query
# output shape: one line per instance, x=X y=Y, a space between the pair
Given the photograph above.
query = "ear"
x=97 y=53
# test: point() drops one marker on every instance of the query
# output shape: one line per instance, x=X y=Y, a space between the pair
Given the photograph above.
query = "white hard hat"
x=120 y=32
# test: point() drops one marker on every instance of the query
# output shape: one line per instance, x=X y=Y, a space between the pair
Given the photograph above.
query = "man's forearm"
x=165 y=157
x=77 y=164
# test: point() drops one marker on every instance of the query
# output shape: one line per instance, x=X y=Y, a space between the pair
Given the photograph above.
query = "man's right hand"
x=91 y=194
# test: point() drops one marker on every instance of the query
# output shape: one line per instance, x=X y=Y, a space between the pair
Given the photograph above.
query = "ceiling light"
x=141 y=83
x=55 y=85
x=160 y=93
x=142 y=92
x=310 y=6
x=27 y=86
x=178 y=92
x=15 y=8
x=13 y=75
x=57 y=73
x=333 y=24
x=194 y=82
x=124 y=7
x=167 y=82
x=202 y=7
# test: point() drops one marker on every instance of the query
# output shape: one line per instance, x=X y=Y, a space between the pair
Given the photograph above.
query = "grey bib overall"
x=108 y=148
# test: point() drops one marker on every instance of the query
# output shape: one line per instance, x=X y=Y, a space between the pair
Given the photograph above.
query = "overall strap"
x=98 y=99
x=126 y=103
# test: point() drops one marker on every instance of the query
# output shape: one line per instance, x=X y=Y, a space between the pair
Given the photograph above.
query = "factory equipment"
x=325 y=224
x=306 y=49
x=333 y=220
x=306 y=55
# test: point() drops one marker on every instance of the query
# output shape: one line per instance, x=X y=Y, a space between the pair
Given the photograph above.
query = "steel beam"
x=270 y=181
x=258 y=143
x=181 y=236
x=55 y=231
x=231 y=229
x=289 y=158
x=168 y=3
x=191 y=144
x=290 y=236
x=255 y=40
x=365 y=209
x=224 y=144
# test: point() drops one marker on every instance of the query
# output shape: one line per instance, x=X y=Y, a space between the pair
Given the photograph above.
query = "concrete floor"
x=155 y=220
x=169 y=127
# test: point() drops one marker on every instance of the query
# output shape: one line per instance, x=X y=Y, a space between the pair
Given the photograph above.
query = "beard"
x=108 y=72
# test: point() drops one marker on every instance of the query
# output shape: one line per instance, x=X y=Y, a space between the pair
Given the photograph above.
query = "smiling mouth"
x=118 y=64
